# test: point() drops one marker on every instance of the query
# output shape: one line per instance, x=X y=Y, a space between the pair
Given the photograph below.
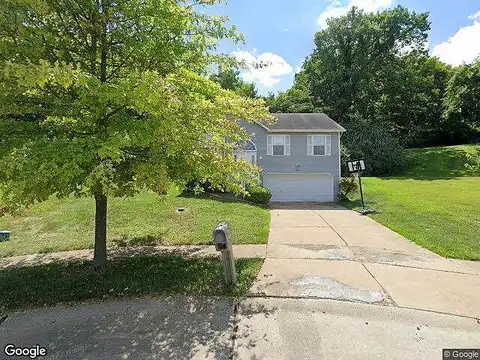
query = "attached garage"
x=299 y=187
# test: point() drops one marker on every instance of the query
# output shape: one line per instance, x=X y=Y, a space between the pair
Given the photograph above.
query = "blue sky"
x=281 y=32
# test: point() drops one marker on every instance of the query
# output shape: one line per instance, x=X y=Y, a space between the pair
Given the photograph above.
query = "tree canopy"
x=376 y=67
x=295 y=100
x=355 y=56
x=103 y=98
x=462 y=100
x=228 y=77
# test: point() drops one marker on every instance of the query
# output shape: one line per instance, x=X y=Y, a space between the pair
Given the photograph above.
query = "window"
x=279 y=150
x=249 y=146
x=319 y=145
x=278 y=145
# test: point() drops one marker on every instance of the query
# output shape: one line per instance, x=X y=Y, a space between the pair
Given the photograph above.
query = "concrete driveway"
x=329 y=252
x=338 y=285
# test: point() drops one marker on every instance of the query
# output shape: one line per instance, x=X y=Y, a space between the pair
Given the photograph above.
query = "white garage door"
x=299 y=187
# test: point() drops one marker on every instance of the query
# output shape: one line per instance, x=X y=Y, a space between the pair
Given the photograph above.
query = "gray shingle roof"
x=305 y=122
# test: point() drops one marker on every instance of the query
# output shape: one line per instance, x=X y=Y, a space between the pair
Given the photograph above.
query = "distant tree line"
x=373 y=74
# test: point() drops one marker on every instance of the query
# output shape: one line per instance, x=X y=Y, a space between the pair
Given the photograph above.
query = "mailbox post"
x=223 y=243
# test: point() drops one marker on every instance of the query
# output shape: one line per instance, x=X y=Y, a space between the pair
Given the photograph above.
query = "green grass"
x=67 y=282
x=445 y=162
x=436 y=203
x=146 y=219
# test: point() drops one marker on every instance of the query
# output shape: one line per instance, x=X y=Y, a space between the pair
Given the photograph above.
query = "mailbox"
x=222 y=237
x=220 y=243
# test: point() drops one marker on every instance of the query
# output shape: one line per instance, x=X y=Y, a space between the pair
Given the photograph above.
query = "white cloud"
x=475 y=16
x=265 y=69
x=463 y=46
x=286 y=30
x=336 y=9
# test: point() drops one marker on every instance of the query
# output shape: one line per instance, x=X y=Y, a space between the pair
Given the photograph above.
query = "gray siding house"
x=299 y=156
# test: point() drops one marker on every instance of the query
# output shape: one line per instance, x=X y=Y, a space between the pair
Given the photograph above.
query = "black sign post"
x=361 y=190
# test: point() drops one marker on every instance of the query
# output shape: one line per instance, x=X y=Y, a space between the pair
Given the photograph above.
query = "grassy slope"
x=436 y=203
x=67 y=224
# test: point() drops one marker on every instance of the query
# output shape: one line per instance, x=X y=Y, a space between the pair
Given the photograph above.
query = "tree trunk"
x=100 y=253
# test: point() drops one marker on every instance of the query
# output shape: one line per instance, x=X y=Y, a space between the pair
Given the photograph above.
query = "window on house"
x=278 y=145
x=279 y=149
x=319 y=145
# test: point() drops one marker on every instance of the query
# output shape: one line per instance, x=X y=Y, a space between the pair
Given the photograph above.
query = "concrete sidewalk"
x=329 y=252
x=240 y=251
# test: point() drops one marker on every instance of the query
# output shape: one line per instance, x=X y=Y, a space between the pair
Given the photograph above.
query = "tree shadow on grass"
x=135 y=241
x=60 y=282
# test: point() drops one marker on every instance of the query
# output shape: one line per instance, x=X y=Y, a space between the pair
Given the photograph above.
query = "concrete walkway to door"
x=329 y=252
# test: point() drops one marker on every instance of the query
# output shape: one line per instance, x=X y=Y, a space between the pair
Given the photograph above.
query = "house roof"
x=318 y=122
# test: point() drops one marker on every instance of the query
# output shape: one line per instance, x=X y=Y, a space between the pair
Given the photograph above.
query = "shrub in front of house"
x=348 y=185
x=258 y=195
x=196 y=187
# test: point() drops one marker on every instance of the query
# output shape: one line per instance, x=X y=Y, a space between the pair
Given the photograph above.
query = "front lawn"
x=436 y=203
x=74 y=281
x=146 y=219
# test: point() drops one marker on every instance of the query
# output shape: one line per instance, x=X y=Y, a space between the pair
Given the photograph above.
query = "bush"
x=258 y=195
x=373 y=142
x=473 y=161
x=203 y=187
x=348 y=185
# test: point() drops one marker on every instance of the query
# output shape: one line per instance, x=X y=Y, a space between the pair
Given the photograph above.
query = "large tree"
x=354 y=58
x=297 y=99
x=102 y=98
x=229 y=78
x=412 y=99
x=462 y=100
